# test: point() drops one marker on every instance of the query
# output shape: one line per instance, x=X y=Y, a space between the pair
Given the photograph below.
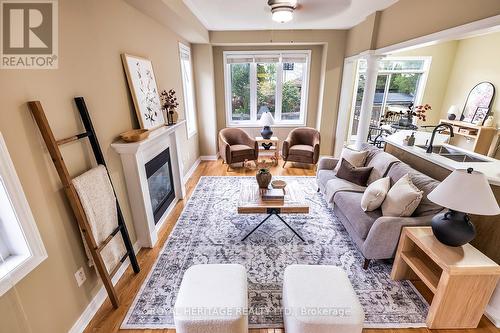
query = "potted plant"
x=263 y=177
x=169 y=104
x=418 y=111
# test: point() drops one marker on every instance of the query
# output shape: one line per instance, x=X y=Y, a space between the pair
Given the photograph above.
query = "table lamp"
x=462 y=192
x=266 y=120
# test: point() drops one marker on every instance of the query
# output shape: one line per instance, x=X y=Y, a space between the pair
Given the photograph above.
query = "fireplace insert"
x=160 y=183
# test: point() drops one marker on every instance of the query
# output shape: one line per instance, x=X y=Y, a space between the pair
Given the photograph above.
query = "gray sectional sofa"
x=375 y=235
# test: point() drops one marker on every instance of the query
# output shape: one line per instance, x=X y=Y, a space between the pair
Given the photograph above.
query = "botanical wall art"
x=142 y=84
x=481 y=96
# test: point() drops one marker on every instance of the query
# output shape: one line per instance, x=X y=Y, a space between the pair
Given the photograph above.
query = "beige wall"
x=313 y=92
x=330 y=69
x=443 y=56
x=92 y=34
x=476 y=60
x=409 y=19
x=203 y=65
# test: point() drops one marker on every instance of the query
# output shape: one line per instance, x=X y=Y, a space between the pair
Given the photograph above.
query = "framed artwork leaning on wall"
x=142 y=84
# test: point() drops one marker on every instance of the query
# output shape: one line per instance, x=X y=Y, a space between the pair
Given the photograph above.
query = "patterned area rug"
x=210 y=231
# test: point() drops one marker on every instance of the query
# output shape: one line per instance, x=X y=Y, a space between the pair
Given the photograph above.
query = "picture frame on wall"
x=144 y=90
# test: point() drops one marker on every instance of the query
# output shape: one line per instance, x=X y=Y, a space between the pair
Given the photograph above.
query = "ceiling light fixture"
x=282 y=10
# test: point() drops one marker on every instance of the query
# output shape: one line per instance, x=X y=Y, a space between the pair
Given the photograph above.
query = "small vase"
x=264 y=179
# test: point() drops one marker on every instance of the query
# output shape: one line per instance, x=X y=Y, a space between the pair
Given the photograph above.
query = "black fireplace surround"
x=160 y=183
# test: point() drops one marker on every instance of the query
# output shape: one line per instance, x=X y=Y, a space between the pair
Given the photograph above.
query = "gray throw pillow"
x=352 y=174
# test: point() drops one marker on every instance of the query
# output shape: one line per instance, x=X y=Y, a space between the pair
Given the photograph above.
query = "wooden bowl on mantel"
x=135 y=135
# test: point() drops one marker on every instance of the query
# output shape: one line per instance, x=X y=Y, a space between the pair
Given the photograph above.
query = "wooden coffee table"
x=251 y=203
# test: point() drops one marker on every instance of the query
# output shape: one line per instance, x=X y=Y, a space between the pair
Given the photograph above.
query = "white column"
x=367 y=102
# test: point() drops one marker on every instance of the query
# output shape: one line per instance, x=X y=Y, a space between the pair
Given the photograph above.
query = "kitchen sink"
x=453 y=154
x=440 y=150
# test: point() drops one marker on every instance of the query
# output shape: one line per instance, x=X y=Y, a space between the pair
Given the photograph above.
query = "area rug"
x=209 y=231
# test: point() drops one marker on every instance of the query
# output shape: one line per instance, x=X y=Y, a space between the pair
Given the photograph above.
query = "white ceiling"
x=256 y=15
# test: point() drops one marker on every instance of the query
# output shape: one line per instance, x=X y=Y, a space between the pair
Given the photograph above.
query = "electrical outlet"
x=80 y=276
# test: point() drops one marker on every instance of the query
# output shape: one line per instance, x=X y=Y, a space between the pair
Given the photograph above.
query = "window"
x=21 y=248
x=188 y=89
x=400 y=82
x=266 y=81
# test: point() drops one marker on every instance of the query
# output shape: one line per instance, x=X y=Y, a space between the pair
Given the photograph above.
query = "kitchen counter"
x=491 y=168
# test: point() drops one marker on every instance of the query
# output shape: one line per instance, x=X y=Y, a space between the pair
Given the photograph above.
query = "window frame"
x=253 y=122
x=420 y=88
x=190 y=130
x=18 y=267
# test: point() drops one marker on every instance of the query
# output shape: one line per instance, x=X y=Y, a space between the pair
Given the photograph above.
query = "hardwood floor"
x=109 y=320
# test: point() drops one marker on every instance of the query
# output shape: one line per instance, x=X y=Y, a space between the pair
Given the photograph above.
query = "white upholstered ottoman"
x=320 y=299
x=212 y=299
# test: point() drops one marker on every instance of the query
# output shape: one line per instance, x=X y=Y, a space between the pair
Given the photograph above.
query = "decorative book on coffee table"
x=273 y=195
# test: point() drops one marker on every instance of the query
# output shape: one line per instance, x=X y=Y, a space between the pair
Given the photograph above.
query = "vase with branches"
x=169 y=104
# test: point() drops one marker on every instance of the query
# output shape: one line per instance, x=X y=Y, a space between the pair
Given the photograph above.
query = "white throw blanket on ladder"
x=99 y=203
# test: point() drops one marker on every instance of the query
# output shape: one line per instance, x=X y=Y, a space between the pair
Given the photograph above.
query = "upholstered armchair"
x=302 y=145
x=236 y=146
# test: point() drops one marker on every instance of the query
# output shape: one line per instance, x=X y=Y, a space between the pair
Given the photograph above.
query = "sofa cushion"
x=375 y=194
x=422 y=182
x=355 y=175
x=349 y=203
x=301 y=150
x=241 y=150
x=323 y=177
x=337 y=185
x=402 y=199
x=371 y=150
x=380 y=163
x=356 y=158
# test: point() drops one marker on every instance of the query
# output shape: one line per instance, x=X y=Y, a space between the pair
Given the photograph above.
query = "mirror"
x=478 y=103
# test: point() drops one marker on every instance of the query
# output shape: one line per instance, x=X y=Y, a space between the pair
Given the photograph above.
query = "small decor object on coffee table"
x=274 y=194
x=263 y=178
x=169 y=104
x=278 y=183
x=454 y=228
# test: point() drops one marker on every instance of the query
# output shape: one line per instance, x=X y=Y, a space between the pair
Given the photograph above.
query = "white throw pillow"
x=375 y=194
x=402 y=199
x=356 y=158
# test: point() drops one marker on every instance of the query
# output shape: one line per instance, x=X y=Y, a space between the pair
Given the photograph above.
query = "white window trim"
x=194 y=130
x=18 y=268
x=253 y=91
x=420 y=89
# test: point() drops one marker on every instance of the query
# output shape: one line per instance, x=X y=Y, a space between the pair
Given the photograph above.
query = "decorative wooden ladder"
x=76 y=205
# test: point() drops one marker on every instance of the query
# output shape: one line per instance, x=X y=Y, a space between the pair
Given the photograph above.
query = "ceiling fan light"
x=282 y=14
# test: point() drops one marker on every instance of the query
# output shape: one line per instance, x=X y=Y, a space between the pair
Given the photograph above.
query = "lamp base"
x=266 y=132
x=453 y=228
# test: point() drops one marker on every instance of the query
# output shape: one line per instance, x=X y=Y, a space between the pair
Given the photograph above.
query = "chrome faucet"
x=438 y=128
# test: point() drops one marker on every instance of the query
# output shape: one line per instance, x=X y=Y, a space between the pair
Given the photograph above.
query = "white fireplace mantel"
x=134 y=157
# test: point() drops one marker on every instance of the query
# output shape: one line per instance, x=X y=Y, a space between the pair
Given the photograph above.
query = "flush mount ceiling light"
x=282 y=10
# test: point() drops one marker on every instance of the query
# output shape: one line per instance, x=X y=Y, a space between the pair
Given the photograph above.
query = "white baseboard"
x=99 y=298
x=191 y=170
x=209 y=157
x=492 y=316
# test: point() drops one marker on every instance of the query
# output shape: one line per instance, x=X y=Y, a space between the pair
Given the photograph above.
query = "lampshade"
x=454 y=110
x=266 y=119
x=466 y=192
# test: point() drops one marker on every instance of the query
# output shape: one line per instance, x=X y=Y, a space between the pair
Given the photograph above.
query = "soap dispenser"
x=411 y=139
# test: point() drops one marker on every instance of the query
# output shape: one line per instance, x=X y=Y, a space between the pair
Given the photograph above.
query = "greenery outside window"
x=266 y=81
x=400 y=83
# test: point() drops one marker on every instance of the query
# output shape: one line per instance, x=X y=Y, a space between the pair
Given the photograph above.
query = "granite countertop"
x=491 y=168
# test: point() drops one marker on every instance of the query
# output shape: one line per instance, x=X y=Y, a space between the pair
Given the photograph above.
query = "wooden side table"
x=461 y=278
x=274 y=150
